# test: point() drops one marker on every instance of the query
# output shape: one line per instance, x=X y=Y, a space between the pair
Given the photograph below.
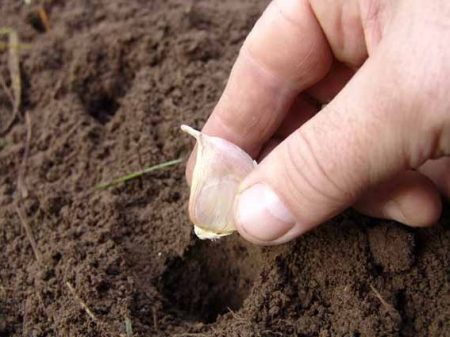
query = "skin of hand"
x=380 y=144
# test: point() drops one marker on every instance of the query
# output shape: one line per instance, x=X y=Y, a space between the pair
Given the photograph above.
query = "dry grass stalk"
x=44 y=18
x=4 y=45
x=21 y=185
x=29 y=233
x=386 y=305
x=101 y=325
x=128 y=327
x=14 y=68
x=83 y=305
x=155 y=317
x=14 y=71
x=138 y=174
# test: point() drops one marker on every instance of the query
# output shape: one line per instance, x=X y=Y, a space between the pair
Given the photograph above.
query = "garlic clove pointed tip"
x=190 y=131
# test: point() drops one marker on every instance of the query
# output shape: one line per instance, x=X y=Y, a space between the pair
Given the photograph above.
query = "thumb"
x=359 y=140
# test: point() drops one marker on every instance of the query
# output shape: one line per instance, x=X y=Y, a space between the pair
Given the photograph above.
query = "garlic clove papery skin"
x=219 y=169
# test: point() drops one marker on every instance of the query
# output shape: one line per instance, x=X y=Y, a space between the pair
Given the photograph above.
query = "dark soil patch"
x=107 y=89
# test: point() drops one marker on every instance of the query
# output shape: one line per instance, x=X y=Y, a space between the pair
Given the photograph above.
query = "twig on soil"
x=11 y=99
x=128 y=327
x=155 y=317
x=81 y=302
x=22 y=46
x=89 y=312
x=14 y=71
x=44 y=18
x=57 y=88
x=135 y=175
x=25 y=318
x=29 y=233
x=21 y=185
x=386 y=305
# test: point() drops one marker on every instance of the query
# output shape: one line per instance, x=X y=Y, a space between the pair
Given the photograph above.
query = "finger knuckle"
x=309 y=172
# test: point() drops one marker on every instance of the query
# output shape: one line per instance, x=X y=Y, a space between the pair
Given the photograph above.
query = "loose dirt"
x=106 y=90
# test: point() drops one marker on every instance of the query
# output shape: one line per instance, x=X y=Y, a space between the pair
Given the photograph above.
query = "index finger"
x=285 y=53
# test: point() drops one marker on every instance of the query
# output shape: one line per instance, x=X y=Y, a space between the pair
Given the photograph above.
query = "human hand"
x=381 y=142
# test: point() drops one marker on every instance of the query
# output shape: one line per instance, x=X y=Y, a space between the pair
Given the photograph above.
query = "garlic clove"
x=219 y=169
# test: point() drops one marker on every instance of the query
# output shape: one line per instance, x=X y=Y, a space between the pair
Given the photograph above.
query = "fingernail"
x=262 y=214
x=393 y=210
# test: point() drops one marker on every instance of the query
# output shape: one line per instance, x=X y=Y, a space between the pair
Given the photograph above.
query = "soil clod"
x=108 y=87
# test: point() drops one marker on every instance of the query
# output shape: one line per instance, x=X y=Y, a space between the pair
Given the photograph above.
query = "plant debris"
x=138 y=174
x=14 y=72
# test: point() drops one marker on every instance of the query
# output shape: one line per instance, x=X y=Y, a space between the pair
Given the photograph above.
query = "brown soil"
x=106 y=90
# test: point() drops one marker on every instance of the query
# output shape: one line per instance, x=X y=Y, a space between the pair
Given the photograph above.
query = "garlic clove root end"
x=204 y=234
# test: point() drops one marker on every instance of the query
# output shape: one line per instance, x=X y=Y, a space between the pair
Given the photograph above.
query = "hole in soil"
x=210 y=279
x=102 y=108
x=35 y=21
